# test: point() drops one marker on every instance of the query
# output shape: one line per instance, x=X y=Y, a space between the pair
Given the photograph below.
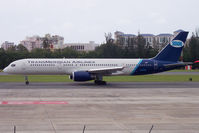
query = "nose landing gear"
x=26 y=80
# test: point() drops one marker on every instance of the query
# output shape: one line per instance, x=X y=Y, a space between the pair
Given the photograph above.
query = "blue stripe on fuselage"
x=134 y=70
x=150 y=66
x=145 y=67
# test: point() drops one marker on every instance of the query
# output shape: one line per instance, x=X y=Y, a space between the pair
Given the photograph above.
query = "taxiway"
x=116 y=108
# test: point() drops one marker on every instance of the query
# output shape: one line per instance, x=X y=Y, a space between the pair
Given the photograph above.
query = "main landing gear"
x=26 y=80
x=99 y=80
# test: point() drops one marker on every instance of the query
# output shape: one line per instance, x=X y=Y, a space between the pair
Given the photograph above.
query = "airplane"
x=81 y=70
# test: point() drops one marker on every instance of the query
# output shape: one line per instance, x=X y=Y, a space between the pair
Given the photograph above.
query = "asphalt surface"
x=2 y=73
x=91 y=85
x=115 y=108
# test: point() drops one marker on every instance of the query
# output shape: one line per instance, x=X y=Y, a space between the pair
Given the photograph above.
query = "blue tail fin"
x=173 y=50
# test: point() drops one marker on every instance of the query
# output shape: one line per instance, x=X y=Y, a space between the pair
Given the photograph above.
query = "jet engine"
x=81 y=76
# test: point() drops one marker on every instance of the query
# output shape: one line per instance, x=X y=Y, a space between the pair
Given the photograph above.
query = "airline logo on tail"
x=177 y=43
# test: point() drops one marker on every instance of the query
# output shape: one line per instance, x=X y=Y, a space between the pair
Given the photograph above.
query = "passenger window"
x=13 y=65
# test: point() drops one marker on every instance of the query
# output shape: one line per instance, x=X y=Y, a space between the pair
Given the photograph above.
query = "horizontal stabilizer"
x=178 y=64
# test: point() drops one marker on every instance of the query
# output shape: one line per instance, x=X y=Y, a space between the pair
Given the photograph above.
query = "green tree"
x=21 y=48
x=108 y=51
x=3 y=58
x=109 y=39
x=69 y=53
x=40 y=53
x=141 y=46
x=22 y=52
x=190 y=52
x=46 y=43
x=194 y=47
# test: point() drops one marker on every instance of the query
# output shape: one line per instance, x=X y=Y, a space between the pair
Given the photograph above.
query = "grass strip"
x=64 y=78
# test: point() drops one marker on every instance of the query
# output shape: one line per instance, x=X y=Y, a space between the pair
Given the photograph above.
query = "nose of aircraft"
x=5 y=70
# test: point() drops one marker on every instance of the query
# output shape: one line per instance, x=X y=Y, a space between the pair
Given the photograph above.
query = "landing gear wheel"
x=99 y=82
x=27 y=82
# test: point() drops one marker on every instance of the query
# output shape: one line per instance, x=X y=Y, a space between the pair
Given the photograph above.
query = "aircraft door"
x=155 y=65
x=23 y=66
x=59 y=66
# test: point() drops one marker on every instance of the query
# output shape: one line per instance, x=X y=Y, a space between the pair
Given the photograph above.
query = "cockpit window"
x=13 y=65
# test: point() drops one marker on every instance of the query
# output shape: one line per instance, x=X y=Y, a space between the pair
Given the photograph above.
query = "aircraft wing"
x=105 y=71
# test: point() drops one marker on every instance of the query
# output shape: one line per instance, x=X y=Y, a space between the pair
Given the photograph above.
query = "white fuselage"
x=68 y=66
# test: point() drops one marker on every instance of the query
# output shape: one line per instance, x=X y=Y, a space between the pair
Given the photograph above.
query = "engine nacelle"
x=81 y=76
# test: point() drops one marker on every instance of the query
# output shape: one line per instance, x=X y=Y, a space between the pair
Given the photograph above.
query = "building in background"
x=149 y=39
x=32 y=42
x=123 y=39
x=163 y=39
x=55 y=42
x=82 y=46
x=6 y=45
x=155 y=41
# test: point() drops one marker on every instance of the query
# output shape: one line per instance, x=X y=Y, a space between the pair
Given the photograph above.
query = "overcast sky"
x=88 y=20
